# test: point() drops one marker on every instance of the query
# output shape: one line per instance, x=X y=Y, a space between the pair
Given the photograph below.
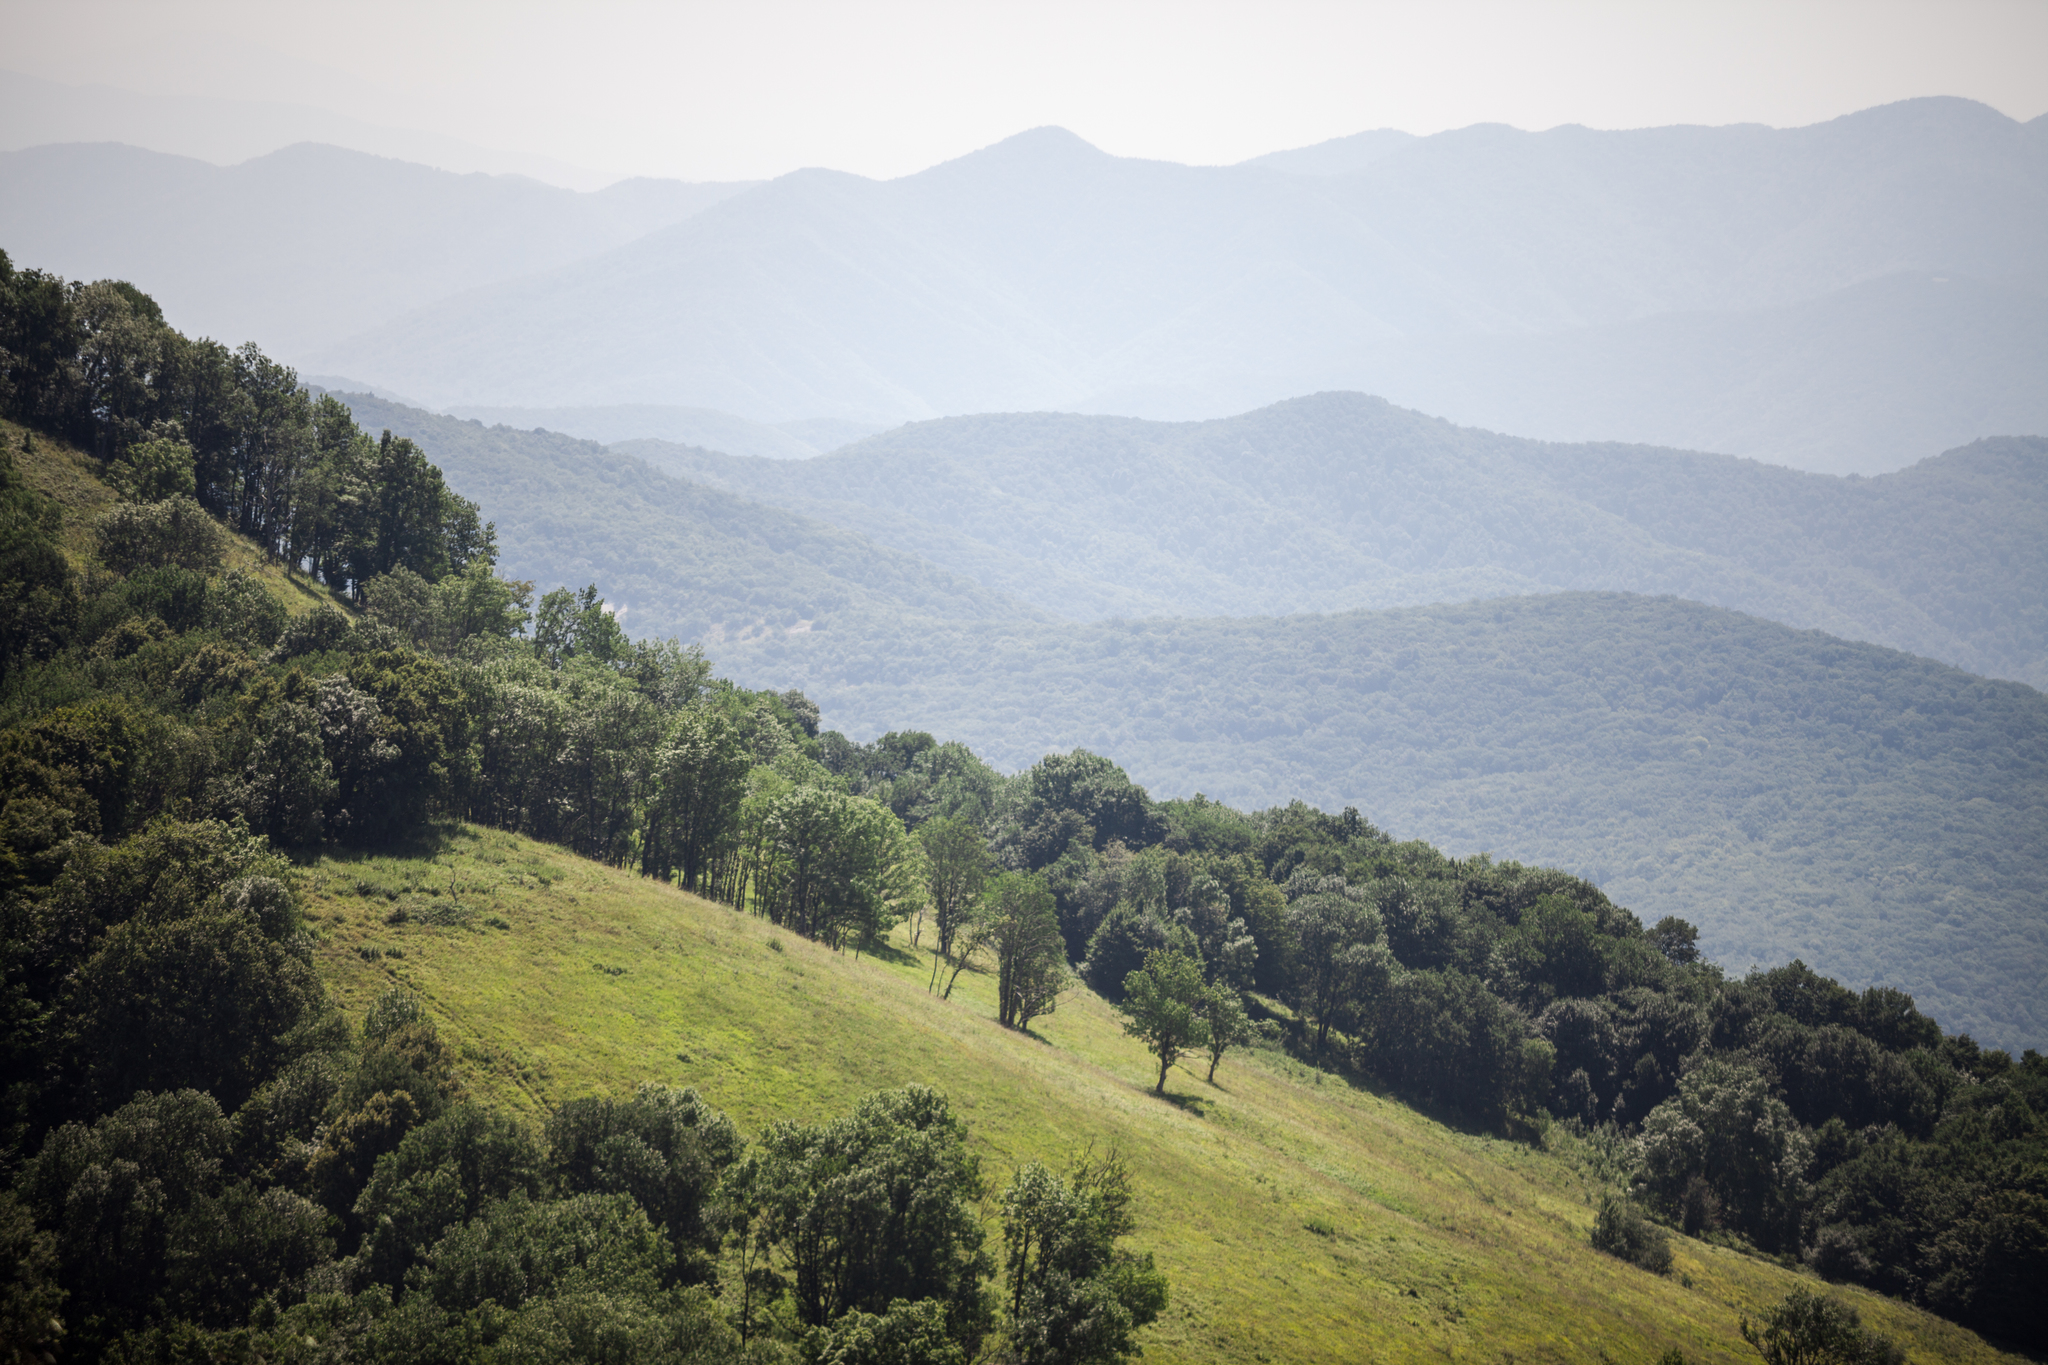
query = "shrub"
x=1620 y=1230
x=1808 y=1329
x=153 y=535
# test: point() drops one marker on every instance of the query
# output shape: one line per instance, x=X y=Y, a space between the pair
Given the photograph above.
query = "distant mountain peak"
x=1046 y=146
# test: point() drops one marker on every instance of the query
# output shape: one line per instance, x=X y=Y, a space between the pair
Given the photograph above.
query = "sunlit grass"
x=1297 y=1217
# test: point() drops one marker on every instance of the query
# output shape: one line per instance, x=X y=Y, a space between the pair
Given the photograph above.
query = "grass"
x=1298 y=1218
x=74 y=479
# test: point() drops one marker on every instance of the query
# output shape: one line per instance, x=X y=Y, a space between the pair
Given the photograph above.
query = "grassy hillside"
x=1340 y=501
x=72 y=477
x=1882 y=816
x=678 y=558
x=1298 y=1219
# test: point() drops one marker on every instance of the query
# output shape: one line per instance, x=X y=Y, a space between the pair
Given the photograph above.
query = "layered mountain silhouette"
x=1847 y=295
x=1342 y=501
x=304 y=246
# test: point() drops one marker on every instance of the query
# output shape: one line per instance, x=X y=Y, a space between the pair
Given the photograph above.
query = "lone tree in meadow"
x=1229 y=1027
x=1162 y=1006
x=1023 y=931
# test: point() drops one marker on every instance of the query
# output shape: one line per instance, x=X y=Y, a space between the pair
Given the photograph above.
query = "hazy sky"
x=742 y=90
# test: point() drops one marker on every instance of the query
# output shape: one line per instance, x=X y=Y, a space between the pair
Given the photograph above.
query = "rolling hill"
x=1340 y=501
x=675 y=558
x=1042 y=273
x=1297 y=1218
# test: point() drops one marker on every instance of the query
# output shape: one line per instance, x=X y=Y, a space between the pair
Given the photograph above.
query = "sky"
x=707 y=90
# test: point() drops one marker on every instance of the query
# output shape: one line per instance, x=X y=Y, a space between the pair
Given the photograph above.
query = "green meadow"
x=1297 y=1216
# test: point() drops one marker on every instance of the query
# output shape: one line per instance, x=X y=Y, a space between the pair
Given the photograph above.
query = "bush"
x=151 y=535
x=1807 y=1329
x=1621 y=1231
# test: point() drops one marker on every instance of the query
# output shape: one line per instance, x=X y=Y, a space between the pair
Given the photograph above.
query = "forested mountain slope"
x=1879 y=815
x=311 y=243
x=676 y=558
x=1341 y=501
x=1042 y=273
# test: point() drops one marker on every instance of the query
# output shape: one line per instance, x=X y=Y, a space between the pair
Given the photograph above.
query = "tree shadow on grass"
x=1197 y=1105
x=425 y=841
x=890 y=953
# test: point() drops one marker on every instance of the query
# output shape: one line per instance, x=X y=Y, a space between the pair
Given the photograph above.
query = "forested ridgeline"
x=1340 y=501
x=199 y=1142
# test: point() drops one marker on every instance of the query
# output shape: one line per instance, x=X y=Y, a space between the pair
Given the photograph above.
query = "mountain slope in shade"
x=674 y=558
x=1881 y=816
x=299 y=248
x=1342 y=501
x=1041 y=273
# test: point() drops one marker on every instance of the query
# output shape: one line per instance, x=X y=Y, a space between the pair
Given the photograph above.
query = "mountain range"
x=1794 y=294
x=301 y=247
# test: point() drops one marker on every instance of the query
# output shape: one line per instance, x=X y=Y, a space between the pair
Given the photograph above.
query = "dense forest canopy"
x=206 y=1156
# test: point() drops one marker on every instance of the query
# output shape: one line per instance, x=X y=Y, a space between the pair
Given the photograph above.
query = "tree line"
x=164 y=725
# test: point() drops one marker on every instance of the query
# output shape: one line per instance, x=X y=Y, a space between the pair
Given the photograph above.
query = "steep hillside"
x=1042 y=273
x=1342 y=501
x=1296 y=1218
x=1879 y=815
x=307 y=245
x=675 y=558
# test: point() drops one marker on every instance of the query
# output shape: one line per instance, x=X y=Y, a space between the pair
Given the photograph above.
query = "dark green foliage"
x=1075 y=1297
x=1021 y=928
x=175 y=533
x=871 y=1209
x=1620 y=1229
x=135 y=1021
x=1446 y=1040
x=1340 y=967
x=439 y=1175
x=1163 y=1009
x=1727 y=1130
x=115 y=1193
x=1811 y=1329
x=31 y=1300
x=958 y=868
x=1080 y=795
x=38 y=602
x=666 y=1148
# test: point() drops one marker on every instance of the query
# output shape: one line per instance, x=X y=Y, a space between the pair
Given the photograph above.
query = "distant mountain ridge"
x=672 y=557
x=304 y=246
x=1342 y=501
x=1041 y=273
